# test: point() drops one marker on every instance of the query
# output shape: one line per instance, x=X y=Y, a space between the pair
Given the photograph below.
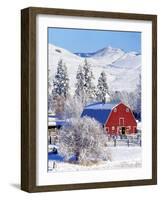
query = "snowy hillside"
x=122 y=69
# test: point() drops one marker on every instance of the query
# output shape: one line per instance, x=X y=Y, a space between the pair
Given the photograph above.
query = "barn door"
x=123 y=130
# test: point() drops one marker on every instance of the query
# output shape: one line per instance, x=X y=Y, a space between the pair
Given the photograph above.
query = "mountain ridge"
x=114 y=61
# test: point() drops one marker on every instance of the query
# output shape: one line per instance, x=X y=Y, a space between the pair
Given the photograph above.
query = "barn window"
x=113 y=128
x=127 y=109
x=115 y=109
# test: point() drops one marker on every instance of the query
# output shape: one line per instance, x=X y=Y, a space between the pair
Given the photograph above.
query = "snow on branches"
x=80 y=92
x=85 y=87
x=61 y=81
x=85 y=139
x=131 y=99
x=73 y=107
x=138 y=97
x=102 y=88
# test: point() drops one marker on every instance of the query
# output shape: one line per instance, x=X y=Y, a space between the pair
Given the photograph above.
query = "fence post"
x=128 y=142
x=50 y=140
x=54 y=165
x=140 y=142
x=114 y=142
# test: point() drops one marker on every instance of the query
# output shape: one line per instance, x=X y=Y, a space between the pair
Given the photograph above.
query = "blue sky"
x=85 y=41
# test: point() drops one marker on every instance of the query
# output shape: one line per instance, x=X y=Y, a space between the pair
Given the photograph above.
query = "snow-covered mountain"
x=107 y=52
x=122 y=68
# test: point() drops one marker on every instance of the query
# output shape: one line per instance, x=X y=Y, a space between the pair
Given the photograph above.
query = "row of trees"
x=86 y=91
x=85 y=88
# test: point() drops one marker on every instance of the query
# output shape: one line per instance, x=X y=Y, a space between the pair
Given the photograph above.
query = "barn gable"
x=99 y=111
x=121 y=121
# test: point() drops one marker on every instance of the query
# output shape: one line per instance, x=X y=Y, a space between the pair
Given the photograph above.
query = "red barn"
x=116 y=118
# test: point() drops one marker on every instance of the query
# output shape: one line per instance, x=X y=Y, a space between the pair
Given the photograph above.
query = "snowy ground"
x=121 y=158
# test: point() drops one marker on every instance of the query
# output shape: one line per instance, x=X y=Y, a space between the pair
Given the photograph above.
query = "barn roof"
x=99 y=111
x=104 y=106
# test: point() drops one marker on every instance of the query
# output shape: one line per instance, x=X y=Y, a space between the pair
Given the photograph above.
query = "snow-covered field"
x=121 y=158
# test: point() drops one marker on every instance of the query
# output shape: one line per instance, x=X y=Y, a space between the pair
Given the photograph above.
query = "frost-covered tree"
x=49 y=103
x=79 y=92
x=85 y=87
x=49 y=94
x=116 y=96
x=89 y=87
x=49 y=83
x=138 y=89
x=58 y=105
x=137 y=107
x=61 y=81
x=102 y=88
x=60 y=89
x=85 y=139
x=73 y=107
x=131 y=99
x=126 y=98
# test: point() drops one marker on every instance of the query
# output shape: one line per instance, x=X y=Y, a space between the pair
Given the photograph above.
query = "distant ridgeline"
x=102 y=52
x=85 y=55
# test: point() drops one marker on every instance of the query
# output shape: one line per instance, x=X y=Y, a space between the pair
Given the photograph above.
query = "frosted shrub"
x=85 y=139
x=73 y=107
x=58 y=105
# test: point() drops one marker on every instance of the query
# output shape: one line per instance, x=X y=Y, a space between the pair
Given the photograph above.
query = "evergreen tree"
x=61 y=81
x=102 y=88
x=79 y=92
x=85 y=88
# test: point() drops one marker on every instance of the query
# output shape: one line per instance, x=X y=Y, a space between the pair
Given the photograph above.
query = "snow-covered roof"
x=55 y=120
x=56 y=123
x=100 y=105
x=99 y=111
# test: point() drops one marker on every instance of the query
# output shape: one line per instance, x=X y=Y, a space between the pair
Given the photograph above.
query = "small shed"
x=55 y=121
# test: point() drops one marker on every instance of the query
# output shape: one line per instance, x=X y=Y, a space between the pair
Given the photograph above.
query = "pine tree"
x=79 y=92
x=102 y=88
x=85 y=88
x=88 y=81
x=89 y=87
x=61 y=81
